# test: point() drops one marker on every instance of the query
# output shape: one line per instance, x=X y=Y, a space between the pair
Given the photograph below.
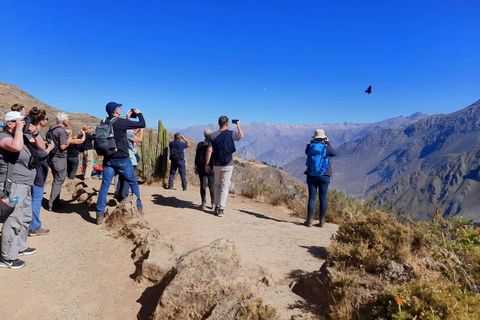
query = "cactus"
x=155 y=154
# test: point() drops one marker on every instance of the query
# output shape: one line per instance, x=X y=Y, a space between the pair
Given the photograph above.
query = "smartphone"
x=234 y=121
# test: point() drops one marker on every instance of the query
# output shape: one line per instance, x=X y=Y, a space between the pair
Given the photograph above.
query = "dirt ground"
x=81 y=271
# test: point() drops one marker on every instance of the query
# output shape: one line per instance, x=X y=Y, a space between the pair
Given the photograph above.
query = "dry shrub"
x=371 y=242
x=427 y=300
x=256 y=310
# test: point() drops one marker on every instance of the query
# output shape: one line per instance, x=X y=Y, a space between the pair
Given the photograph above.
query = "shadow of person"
x=262 y=216
x=317 y=252
x=174 y=202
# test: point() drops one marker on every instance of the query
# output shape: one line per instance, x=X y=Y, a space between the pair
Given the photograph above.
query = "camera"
x=133 y=114
x=28 y=121
x=234 y=121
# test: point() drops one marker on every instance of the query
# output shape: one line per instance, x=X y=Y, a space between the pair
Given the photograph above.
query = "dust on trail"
x=81 y=271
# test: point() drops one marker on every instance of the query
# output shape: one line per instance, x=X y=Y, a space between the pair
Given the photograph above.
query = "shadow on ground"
x=262 y=216
x=174 y=202
x=317 y=252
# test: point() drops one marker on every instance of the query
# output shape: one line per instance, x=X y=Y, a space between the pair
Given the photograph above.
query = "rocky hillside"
x=432 y=161
x=9 y=95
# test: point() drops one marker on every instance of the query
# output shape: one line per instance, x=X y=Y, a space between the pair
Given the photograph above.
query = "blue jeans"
x=37 y=197
x=180 y=165
x=124 y=167
x=319 y=184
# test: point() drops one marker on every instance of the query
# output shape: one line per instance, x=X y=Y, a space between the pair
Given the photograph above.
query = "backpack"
x=174 y=156
x=50 y=139
x=317 y=160
x=202 y=152
x=105 y=144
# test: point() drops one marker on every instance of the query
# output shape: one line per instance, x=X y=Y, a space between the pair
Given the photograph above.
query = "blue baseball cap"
x=112 y=106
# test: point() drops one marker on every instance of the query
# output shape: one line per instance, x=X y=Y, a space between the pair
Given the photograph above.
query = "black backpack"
x=105 y=144
x=174 y=156
x=50 y=139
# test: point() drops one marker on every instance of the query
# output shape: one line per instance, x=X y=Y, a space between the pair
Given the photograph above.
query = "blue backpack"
x=317 y=160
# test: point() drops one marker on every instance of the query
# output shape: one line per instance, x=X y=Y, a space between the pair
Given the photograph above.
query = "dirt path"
x=81 y=272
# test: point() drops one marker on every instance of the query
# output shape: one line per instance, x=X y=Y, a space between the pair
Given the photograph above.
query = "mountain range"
x=412 y=164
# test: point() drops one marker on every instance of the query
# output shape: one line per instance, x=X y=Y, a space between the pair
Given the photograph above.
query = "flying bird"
x=369 y=90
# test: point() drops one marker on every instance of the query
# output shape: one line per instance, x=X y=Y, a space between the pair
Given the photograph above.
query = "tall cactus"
x=155 y=154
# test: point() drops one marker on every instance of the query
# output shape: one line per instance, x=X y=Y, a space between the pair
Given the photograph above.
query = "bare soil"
x=81 y=271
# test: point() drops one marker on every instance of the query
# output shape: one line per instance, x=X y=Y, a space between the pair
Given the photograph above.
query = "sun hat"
x=12 y=116
x=112 y=106
x=319 y=134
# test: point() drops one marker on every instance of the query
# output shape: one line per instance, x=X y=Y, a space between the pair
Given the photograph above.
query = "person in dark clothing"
x=177 y=158
x=119 y=162
x=73 y=153
x=39 y=117
x=319 y=183
x=88 y=152
x=206 y=179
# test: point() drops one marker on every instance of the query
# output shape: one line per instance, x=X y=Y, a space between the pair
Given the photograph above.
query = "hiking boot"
x=100 y=219
x=220 y=212
x=321 y=223
x=308 y=222
x=38 y=232
x=12 y=264
x=27 y=252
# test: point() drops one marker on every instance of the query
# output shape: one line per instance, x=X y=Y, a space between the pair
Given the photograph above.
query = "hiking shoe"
x=27 y=252
x=38 y=232
x=203 y=206
x=140 y=211
x=308 y=222
x=12 y=264
x=220 y=212
x=100 y=219
x=321 y=224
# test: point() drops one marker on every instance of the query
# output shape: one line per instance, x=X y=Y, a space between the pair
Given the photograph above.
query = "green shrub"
x=427 y=300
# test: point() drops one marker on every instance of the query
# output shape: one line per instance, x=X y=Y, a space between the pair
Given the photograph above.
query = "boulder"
x=205 y=277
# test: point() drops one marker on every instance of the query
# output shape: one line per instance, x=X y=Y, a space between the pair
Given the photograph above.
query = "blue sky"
x=292 y=62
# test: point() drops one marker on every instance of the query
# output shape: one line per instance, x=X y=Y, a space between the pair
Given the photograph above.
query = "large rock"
x=205 y=277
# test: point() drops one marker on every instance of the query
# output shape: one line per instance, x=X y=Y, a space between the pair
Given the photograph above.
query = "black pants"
x=206 y=180
x=72 y=167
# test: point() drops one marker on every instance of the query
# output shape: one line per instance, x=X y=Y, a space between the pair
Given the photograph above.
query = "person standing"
x=206 y=179
x=88 y=152
x=318 y=173
x=119 y=162
x=39 y=117
x=221 y=150
x=58 y=157
x=122 y=189
x=14 y=151
x=177 y=158
x=73 y=152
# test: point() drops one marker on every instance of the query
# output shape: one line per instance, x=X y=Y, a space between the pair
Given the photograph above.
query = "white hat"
x=12 y=116
x=319 y=134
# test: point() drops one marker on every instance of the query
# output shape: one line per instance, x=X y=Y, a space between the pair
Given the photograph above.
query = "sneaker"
x=140 y=211
x=12 y=264
x=203 y=206
x=50 y=208
x=38 y=232
x=308 y=222
x=214 y=209
x=27 y=252
x=220 y=212
x=100 y=219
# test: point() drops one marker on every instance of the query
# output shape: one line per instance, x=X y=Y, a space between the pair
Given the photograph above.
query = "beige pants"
x=88 y=157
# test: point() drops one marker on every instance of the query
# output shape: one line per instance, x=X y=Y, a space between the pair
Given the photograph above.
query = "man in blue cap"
x=119 y=162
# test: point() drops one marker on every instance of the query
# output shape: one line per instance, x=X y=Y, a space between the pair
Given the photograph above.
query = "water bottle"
x=14 y=202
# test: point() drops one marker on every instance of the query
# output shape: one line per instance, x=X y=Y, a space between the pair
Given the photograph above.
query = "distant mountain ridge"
x=279 y=144
x=431 y=162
